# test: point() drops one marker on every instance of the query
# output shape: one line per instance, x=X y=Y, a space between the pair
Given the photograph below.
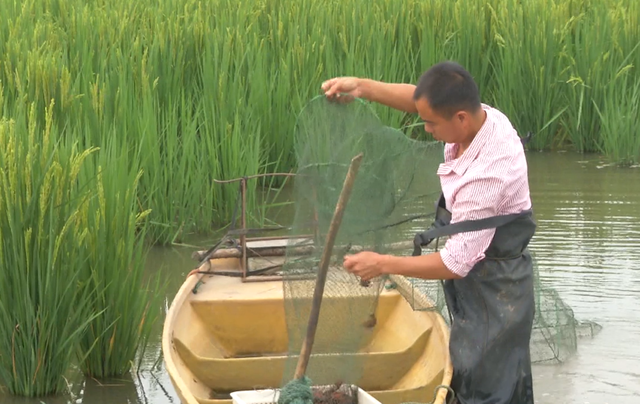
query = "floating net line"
x=393 y=198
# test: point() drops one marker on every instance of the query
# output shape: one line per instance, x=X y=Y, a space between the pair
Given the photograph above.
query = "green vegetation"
x=125 y=312
x=71 y=259
x=210 y=90
x=44 y=304
x=119 y=115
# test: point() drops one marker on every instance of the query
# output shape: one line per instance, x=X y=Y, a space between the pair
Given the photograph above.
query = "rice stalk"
x=43 y=301
x=528 y=86
x=619 y=117
x=470 y=40
x=126 y=306
x=592 y=61
x=186 y=82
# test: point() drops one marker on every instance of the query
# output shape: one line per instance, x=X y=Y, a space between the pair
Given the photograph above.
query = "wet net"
x=556 y=330
x=393 y=198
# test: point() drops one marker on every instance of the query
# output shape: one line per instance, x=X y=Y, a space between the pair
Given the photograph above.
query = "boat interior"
x=227 y=334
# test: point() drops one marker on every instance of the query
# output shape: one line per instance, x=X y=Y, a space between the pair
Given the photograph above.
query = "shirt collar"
x=461 y=164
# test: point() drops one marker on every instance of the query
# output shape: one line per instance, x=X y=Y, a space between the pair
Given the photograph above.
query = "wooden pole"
x=243 y=238
x=305 y=353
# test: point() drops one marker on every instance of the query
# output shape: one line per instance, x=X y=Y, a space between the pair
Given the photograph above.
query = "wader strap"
x=441 y=226
x=527 y=138
x=441 y=229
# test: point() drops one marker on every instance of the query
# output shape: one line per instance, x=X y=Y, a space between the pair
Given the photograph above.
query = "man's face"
x=451 y=130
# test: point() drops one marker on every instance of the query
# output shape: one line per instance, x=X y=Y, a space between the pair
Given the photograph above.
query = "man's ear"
x=462 y=117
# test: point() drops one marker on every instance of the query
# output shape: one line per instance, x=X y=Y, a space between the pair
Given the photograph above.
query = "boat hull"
x=223 y=335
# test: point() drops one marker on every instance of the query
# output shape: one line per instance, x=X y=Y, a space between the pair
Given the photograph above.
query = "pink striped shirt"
x=490 y=178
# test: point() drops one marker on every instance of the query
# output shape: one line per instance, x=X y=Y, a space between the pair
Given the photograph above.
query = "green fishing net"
x=389 y=190
x=393 y=199
x=556 y=330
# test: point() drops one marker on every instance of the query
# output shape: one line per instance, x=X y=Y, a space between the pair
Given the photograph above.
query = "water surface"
x=587 y=247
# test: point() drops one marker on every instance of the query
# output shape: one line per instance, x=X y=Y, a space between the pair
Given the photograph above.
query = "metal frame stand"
x=244 y=262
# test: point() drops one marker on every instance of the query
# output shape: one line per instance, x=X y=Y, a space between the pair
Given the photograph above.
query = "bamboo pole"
x=305 y=353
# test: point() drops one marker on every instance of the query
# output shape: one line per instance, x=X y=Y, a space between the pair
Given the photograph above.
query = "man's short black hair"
x=448 y=88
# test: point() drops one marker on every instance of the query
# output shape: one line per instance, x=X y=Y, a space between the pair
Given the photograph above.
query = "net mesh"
x=393 y=198
x=556 y=330
x=328 y=137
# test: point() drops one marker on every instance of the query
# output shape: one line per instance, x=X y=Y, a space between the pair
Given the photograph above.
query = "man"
x=486 y=266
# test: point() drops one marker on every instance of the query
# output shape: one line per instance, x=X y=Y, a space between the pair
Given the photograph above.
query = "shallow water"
x=587 y=248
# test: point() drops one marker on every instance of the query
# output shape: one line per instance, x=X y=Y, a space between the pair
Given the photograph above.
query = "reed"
x=44 y=304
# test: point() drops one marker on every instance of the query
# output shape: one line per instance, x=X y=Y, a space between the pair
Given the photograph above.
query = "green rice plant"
x=268 y=44
x=470 y=41
x=619 y=111
x=528 y=71
x=125 y=305
x=620 y=119
x=593 y=58
x=381 y=48
x=174 y=180
x=229 y=130
x=211 y=90
x=428 y=40
x=44 y=306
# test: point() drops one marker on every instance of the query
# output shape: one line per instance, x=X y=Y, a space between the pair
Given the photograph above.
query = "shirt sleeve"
x=478 y=198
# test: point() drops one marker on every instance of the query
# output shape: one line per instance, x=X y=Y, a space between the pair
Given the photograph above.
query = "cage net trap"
x=393 y=198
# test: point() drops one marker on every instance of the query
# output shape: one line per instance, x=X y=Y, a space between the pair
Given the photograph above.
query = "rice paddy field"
x=117 y=116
